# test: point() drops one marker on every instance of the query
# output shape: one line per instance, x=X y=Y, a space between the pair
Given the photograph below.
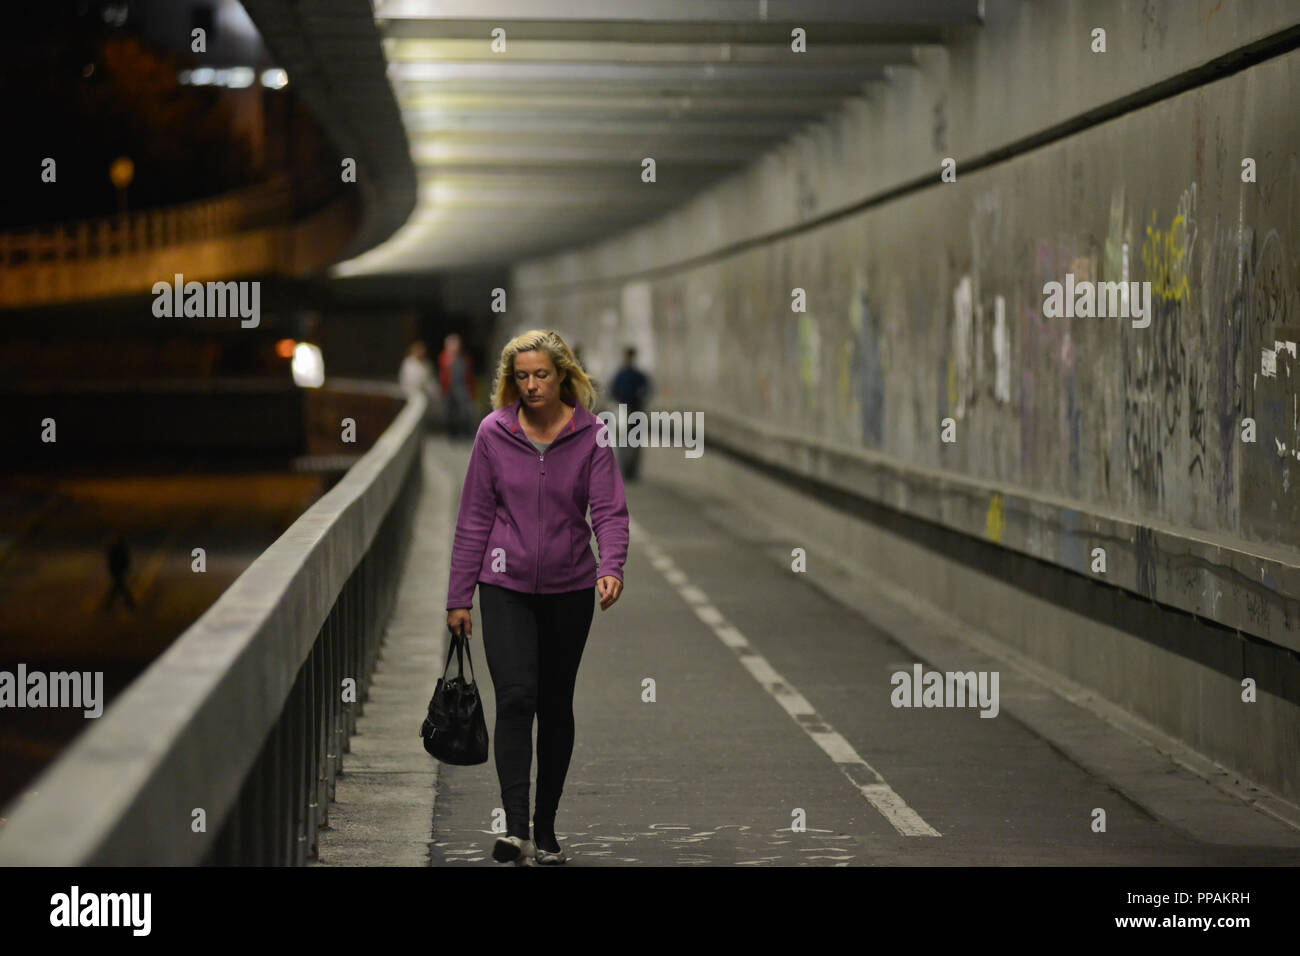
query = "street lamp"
x=121 y=172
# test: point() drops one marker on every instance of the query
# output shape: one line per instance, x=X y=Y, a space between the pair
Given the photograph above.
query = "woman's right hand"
x=458 y=621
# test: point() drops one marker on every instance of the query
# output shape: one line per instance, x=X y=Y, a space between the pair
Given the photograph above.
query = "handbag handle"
x=458 y=645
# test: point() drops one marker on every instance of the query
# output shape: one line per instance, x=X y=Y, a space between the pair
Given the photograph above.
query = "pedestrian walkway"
x=730 y=711
x=383 y=802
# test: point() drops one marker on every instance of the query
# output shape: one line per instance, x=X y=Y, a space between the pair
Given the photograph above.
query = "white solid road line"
x=861 y=774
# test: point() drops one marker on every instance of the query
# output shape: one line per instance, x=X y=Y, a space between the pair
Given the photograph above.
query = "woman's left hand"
x=609 y=588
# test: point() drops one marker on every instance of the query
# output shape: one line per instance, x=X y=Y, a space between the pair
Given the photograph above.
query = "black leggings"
x=533 y=644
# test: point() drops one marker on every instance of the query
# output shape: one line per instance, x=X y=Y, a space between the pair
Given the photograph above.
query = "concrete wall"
x=925 y=302
x=1029 y=67
x=931 y=305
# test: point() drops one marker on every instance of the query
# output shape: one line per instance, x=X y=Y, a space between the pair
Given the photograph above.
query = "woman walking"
x=522 y=536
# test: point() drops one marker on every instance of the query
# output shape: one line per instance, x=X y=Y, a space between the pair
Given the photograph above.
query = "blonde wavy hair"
x=576 y=385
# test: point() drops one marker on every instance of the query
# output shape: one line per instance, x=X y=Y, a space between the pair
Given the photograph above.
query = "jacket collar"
x=508 y=418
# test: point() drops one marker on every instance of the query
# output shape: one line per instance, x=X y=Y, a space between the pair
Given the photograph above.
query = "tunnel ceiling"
x=332 y=53
x=539 y=147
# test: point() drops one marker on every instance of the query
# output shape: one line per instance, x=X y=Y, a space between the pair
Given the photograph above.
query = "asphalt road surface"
x=772 y=739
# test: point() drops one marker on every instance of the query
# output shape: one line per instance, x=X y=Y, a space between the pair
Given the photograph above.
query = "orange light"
x=284 y=348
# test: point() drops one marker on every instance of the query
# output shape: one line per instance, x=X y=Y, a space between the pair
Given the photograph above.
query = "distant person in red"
x=119 y=560
x=456 y=376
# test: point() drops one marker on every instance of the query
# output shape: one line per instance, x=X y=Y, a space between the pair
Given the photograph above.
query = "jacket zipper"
x=541 y=458
x=537 y=577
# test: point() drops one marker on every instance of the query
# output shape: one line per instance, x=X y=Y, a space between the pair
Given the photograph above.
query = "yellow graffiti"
x=952 y=384
x=1165 y=256
x=993 y=522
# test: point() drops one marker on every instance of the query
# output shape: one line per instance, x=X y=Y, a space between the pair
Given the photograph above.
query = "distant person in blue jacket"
x=630 y=387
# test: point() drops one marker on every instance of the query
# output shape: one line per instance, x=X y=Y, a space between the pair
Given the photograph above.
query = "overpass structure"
x=912 y=465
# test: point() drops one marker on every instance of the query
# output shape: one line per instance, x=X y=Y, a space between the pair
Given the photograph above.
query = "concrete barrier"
x=241 y=717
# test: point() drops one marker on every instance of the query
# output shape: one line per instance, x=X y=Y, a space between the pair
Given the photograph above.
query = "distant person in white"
x=416 y=375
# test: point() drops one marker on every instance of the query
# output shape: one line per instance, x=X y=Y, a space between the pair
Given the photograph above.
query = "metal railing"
x=225 y=750
x=279 y=200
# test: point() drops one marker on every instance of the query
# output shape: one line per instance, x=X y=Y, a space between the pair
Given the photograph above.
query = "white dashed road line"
x=861 y=774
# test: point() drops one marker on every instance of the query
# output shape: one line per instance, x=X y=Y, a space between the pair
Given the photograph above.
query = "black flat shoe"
x=513 y=849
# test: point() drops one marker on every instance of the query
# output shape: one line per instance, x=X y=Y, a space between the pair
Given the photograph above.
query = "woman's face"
x=537 y=379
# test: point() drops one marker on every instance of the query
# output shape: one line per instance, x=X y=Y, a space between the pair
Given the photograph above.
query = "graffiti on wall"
x=1146 y=421
x=860 y=386
x=1167 y=252
x=1156 y=375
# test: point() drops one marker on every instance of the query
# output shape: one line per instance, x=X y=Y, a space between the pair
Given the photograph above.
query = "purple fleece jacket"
x=522 y=522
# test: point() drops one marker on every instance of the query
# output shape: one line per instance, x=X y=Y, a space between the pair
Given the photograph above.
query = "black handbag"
x=455 y=730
